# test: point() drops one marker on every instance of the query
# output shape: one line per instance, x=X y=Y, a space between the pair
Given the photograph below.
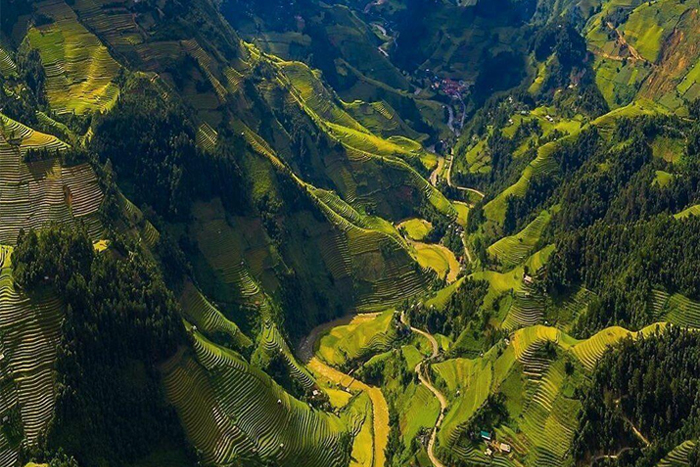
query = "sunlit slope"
x=31 y=330
x=534 y=375
x=33 y=194
x=361 y=146
x=233 y=412
x=79 y=69
x=362 y=337
x=646 y=51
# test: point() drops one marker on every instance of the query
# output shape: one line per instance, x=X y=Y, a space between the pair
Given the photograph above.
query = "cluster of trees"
x=589 y=195
x=521 y=210
x=151 y=145
x=625 y=262
x=121 y=321
x=505 y=169
x=462 y=308
x=614 y=231
x=651 y=385
x=570 y=156
x=616 y=184
x=561 y=46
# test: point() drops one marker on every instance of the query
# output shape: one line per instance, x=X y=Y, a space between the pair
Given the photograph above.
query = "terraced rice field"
x=474 y=379
x=342 y=125
x=233 y=412
x=377 y=259
x=574 y=305
x=438 y=258
x=549 y=418
x=206 y=137
x=495 y=209
x=384 y=272
x=112 y=20
x=380 y=409
x=79 y=69
x=526 y=309
x=364 y=335
x=31 y=331
x=676 y=309
x=361 y=144
x=381 y=286
x=416 y=229
x=273 y=343
x=678 y=457
x=208 y=318
x=239 y=257
x=369 y=446
x=511 y=251
x=420 y=411
x=543 y=410
x=500 y=283
x=7 y=65
x=588 y=351
x=34 y=194
x=691 y=211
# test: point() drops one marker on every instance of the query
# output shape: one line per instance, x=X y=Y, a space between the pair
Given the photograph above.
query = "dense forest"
x=121 y=322
x=644 y=390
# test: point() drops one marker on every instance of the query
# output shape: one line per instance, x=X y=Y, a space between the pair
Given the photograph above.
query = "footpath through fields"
x=380 y=409
x=424 y=377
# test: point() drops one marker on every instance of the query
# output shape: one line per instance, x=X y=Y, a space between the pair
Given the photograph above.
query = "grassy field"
x=662 y=179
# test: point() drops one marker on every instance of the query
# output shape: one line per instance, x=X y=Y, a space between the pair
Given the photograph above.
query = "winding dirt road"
x=424 y=378
x=456 y=187
x=380 y=409
x=438 y=170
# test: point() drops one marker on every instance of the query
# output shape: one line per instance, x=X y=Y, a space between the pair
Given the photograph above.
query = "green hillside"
x=372 y=234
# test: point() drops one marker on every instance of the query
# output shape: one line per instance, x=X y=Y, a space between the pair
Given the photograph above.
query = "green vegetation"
x=665 y=420
x=438 y=258
x=261 y=423
x=122 y=321
x=79 y=69
x=344 y=345
x=349 y=233
x=416 y=229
